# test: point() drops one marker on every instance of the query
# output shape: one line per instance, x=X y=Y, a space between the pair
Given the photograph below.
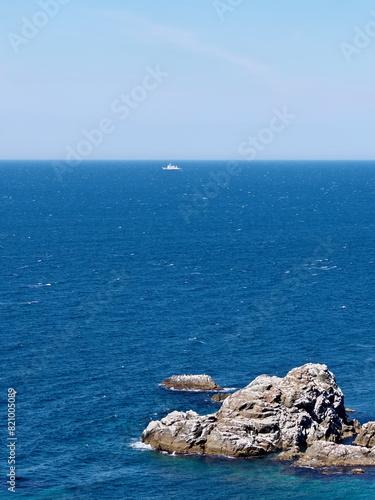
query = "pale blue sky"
x=225 y=77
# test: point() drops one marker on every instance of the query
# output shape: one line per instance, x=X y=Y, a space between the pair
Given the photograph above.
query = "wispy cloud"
x=155 y=34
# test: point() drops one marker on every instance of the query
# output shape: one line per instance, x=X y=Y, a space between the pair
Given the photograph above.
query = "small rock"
x=291 y=454
x=219 y=397
x=191 y=383
x=356 y=471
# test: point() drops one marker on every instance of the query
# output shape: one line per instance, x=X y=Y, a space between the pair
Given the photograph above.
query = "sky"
x=202 y=79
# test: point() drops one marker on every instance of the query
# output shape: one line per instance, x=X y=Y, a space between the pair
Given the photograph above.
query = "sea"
x=118 y=274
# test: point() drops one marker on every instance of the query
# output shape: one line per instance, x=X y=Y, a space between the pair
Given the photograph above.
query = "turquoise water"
x=120 y=274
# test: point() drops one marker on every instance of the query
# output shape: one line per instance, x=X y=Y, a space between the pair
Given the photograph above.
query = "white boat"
x=171 y=167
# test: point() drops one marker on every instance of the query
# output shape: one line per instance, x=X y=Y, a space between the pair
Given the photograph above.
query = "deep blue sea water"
x=116 y=275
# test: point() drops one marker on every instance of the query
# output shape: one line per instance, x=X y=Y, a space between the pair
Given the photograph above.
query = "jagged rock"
x=366 y=436
x=270 y=414
x=219 y=398
x=328 y=454
x=191 y=383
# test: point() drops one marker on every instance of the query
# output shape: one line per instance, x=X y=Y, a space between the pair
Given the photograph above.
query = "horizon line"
x=186 y=160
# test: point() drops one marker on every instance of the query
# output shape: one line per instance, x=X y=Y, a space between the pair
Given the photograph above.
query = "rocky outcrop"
x=324 y=454
x=366 y=436
x=270 y=414
x=191 y=383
